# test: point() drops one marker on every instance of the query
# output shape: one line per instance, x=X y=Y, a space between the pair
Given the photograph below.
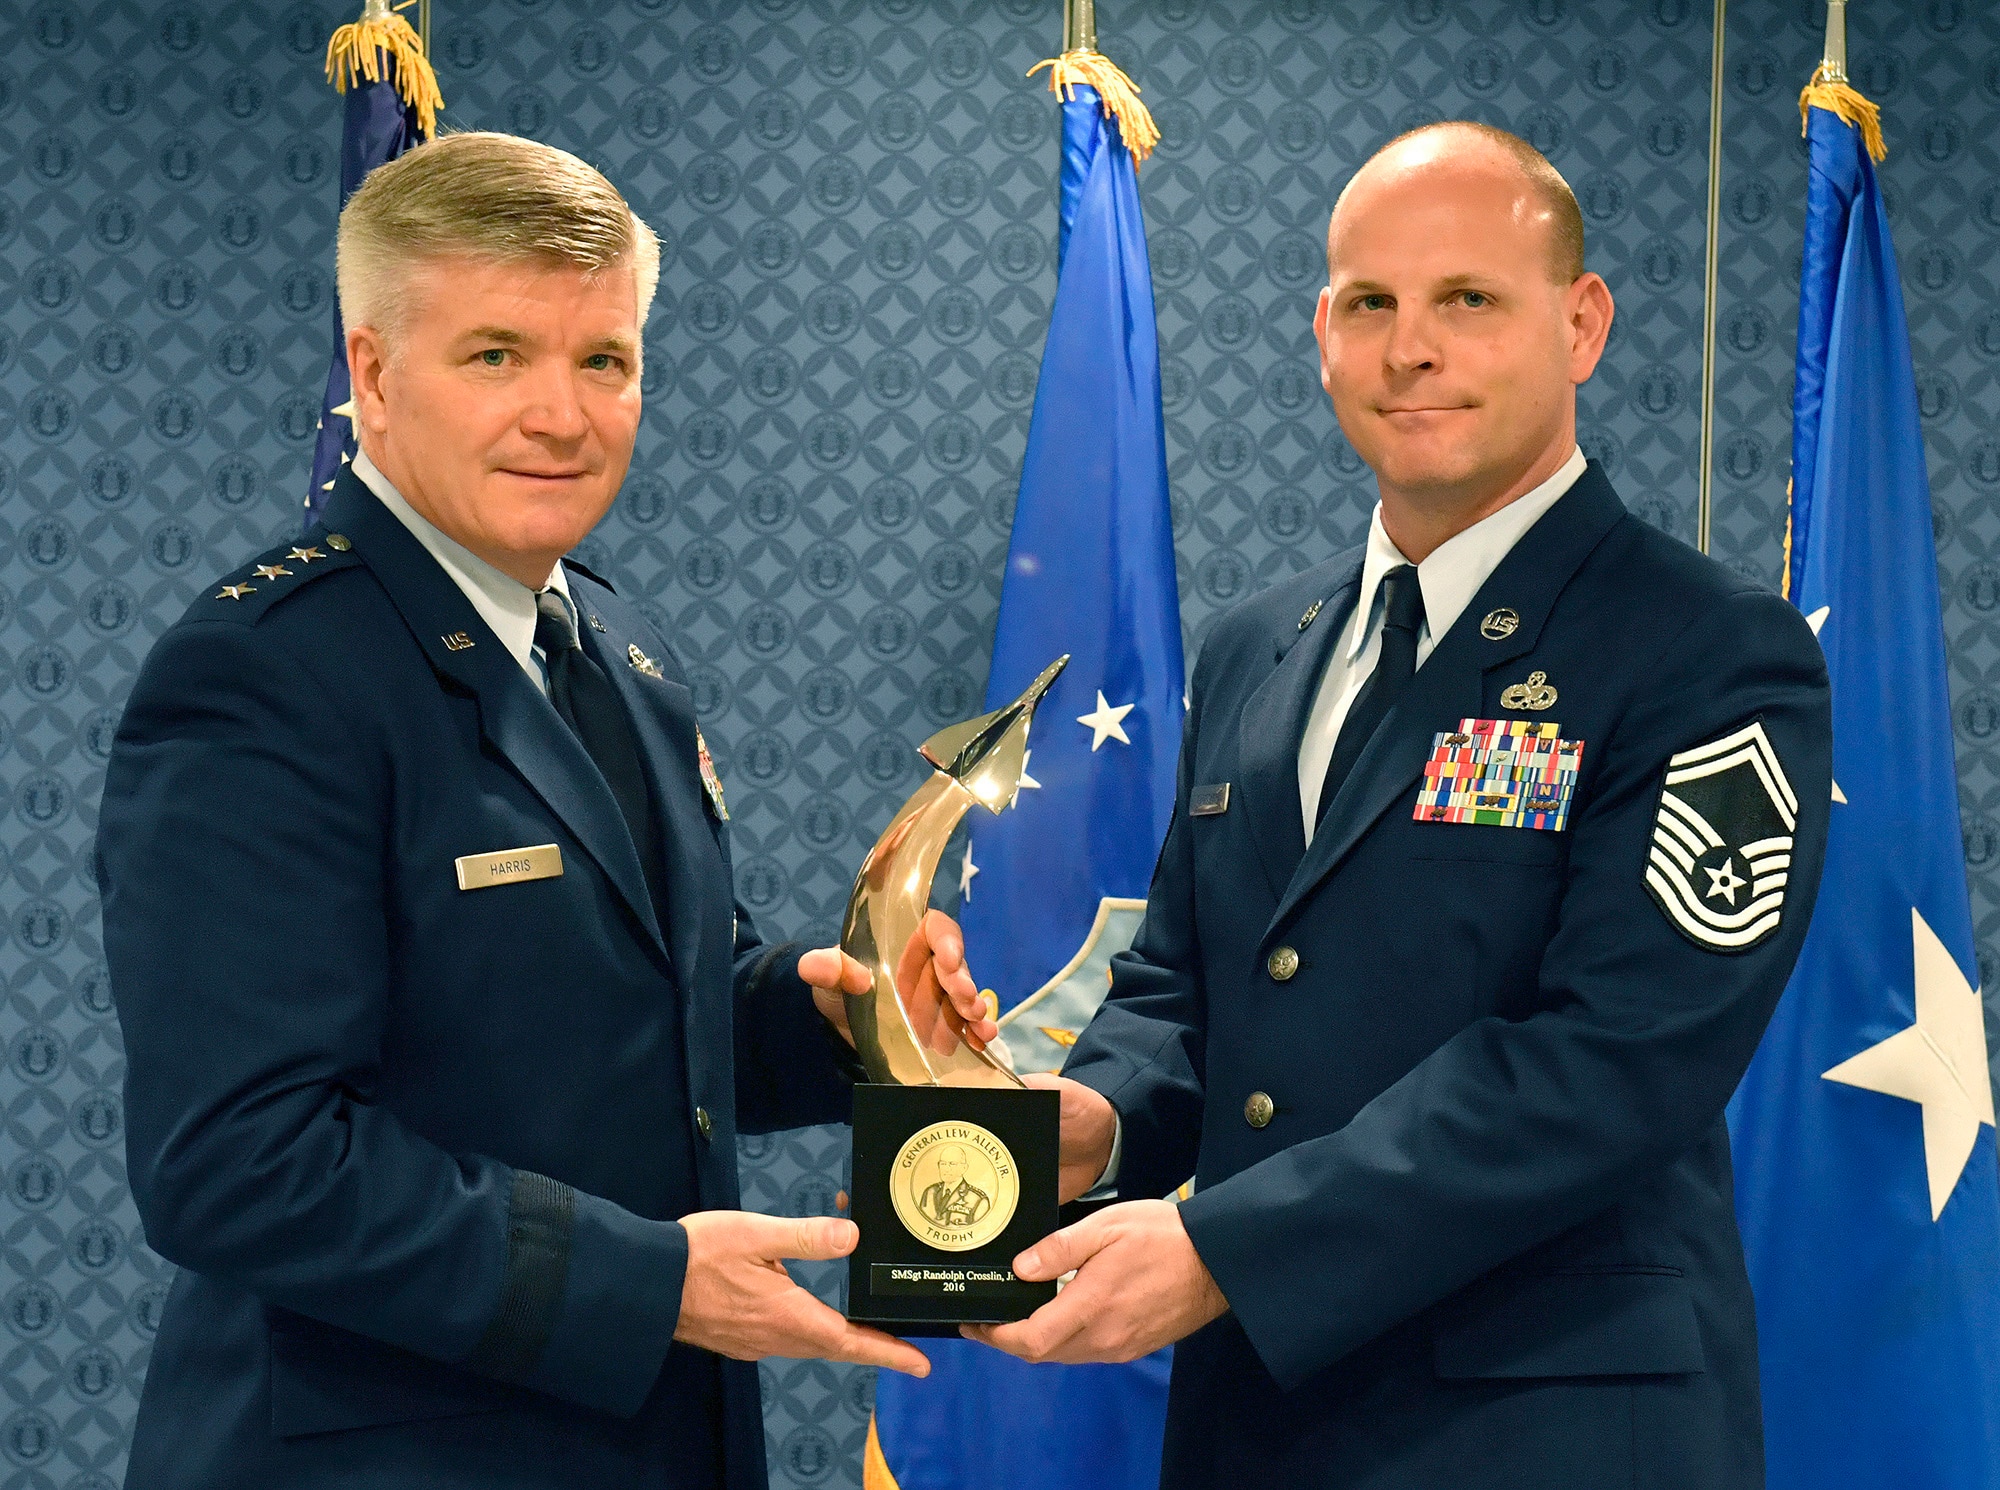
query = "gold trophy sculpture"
x=954 y=1158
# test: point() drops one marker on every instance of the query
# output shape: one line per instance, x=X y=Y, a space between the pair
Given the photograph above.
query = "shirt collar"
x=1456 y=568
x=505 y=604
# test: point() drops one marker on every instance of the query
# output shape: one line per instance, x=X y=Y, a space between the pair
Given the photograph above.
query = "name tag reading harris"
x=511 y=866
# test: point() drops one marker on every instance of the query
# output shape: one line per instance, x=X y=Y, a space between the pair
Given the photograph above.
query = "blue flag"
x=379 y=124
x=1056 y=885
x=1866 y=1174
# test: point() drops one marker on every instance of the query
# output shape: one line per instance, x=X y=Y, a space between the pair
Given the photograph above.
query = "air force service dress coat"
x=418 y=1145
x=1452 y=1091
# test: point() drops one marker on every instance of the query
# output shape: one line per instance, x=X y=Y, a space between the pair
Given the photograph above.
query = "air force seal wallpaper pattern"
x=1722 y=841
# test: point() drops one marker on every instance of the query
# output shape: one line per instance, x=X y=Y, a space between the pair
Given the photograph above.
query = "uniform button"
x=704 y=1122
x=338 y=542
x=1284 y=962
x=1258 y=1109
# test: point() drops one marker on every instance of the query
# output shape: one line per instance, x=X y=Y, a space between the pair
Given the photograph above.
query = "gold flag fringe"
x=356 y=53
x=1839 y=99
x=1119 y=93
x=1785 y=574
x=875 y=1471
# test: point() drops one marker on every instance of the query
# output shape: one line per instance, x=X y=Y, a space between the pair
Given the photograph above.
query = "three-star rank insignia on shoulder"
x=710 y=781
x=267 y=579
x=1722 y=841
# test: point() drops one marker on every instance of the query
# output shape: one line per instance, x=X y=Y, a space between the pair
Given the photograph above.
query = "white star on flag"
x=966 y=870
x=1939 y=1063
x=1104 y=722
x=1027 y=783
x=1816 y=620
x=344 y=411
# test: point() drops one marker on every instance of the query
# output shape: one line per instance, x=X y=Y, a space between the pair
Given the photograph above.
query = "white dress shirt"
x=503 y=602
x=1449 y=579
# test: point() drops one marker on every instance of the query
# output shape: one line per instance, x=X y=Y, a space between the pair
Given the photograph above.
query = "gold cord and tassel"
x=1829 y=91
x=356 y=54
x=1119 y=93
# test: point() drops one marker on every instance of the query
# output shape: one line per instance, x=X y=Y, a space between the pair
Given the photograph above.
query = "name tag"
x=511 y=866
x=1209 y=801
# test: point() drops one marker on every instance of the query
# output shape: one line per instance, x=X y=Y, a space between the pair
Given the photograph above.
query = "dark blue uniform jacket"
x=1486 y=1238
x=419 y=1150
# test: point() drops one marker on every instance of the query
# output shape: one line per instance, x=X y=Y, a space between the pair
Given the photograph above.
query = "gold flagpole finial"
x=1081 y=62
x=1829 y=88
x=1833 y=66
x=1079 y=25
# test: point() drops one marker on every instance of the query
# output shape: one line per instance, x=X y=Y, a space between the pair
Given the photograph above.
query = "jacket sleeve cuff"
x=590 y=1300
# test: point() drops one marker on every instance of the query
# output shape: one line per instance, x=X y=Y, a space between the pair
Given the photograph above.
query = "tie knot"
x=1402 y=599
x=554 y=631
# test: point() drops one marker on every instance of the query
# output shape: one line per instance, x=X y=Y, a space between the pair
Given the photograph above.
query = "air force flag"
x=1057 y=884
x=1866 y=1181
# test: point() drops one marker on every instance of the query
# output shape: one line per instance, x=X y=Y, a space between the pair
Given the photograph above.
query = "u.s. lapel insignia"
x=642 y=662
x=1722 y=841
x=1533 y=694
x=711 y=783
x=1500 y=623
x=1311 y=615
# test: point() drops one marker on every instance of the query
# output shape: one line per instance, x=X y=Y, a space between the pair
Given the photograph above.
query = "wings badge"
x=1722 y=841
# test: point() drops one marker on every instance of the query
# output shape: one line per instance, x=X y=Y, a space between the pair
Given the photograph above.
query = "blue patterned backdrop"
x=857 y=205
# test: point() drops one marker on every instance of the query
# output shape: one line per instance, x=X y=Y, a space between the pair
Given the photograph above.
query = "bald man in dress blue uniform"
x=440 y=1014
x=1495 y=841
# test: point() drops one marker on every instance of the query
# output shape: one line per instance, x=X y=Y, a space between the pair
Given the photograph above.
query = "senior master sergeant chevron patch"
x=1722 y=841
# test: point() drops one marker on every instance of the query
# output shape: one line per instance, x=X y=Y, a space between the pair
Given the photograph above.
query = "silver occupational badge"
x=1722 y=841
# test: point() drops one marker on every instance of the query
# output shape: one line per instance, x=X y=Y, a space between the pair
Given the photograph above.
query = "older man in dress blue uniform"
x=1495 y=841
x=441 y=1017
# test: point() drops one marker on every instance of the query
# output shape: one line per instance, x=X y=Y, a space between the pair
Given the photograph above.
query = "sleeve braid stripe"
x=541 y=1222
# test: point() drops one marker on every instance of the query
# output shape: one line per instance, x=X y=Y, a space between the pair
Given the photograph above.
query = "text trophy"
x=954 y=1158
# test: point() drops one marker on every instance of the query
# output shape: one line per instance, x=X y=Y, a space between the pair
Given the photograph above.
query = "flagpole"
x=1833 y=63
x=1704 y=501
x=1079 y=25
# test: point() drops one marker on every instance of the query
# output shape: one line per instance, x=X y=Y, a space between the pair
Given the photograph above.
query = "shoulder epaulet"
x=248 y=592
x=591 y=574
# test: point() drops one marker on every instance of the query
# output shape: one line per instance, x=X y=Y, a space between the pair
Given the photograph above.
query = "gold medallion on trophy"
x=954 y=1186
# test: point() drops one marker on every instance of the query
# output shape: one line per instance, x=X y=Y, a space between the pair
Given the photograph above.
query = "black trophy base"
x=906 y=1283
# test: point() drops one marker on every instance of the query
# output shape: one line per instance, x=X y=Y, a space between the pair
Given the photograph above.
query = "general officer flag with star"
x=392 y=105
x=1866 y=1180
x=1056 y=885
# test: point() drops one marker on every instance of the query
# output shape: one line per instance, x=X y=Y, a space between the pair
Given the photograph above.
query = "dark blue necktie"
x=589 y=705
x=1395 y=665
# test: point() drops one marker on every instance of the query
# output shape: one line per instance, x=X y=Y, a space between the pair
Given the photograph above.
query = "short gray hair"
x=483 y=196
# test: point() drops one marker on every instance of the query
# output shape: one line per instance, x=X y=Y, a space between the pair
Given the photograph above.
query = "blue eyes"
x=1470 y=299
x=596 y=362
